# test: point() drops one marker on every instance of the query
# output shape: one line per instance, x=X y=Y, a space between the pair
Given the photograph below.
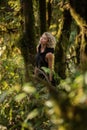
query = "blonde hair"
x=51 y=40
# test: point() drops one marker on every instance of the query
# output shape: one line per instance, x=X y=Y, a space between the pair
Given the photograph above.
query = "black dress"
x=41 y=57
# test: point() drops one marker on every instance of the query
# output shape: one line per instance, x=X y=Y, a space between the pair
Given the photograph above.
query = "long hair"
x=51 y=40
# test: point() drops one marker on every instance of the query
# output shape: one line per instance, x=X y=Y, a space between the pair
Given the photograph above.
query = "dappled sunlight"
x=29 y=102
x=61 y=128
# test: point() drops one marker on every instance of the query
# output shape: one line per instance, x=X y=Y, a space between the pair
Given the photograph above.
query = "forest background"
x=27 y=102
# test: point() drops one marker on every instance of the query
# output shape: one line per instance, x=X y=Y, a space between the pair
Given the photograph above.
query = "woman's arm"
x=50 y=60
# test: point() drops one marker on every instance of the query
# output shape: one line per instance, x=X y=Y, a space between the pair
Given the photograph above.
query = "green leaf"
x=28 y=88
x=20 y=96
x=32 y=115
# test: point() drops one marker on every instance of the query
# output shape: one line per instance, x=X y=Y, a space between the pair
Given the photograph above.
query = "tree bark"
x=62 y=44
x=42 y=12
x=80 y=7
x=28 y=40
x=49 y=8
x=78 y=12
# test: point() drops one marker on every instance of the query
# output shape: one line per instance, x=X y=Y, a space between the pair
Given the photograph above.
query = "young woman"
x=45 y=54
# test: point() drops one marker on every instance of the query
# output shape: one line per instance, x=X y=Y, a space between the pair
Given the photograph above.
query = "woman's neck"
x=43 y=47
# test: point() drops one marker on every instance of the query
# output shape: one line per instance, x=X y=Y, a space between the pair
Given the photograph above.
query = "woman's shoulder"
x=50 y=56
x=49 y=52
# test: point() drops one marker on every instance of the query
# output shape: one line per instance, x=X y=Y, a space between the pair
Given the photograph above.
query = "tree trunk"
x=42 y=11
x=49 y=8
x=62 y=44
x=80 y=7
x=28 y=40
x=78 y=11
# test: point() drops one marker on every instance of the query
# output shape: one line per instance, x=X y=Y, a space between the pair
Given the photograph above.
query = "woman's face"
x=43 y=39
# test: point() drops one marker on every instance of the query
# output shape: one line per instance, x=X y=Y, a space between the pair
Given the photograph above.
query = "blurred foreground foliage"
x=29 y=106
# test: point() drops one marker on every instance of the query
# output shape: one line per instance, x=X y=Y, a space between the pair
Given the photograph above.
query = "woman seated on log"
x=45 y=55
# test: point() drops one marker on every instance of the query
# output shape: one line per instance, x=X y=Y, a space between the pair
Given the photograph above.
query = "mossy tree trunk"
x=63 y=38
x=78 y=11
x=28 y=40
x=77 y=46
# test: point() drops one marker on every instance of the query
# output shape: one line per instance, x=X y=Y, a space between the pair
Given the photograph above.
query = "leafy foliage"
x=30 y=106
